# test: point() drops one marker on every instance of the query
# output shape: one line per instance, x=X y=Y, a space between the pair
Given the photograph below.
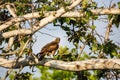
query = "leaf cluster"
x=21 y=76
x=66 y=55
x=52 y=74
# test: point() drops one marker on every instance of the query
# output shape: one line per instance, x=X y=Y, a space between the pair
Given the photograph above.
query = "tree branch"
x=42 y=22
x=17 y=32
x=13 y=13
x=11 y=10
x=46 y=20
x=109 y=28
x=106 y=11
x=67 y=14
x=62 y=65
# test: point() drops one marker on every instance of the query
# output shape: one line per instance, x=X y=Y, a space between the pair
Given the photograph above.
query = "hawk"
x=49 y=49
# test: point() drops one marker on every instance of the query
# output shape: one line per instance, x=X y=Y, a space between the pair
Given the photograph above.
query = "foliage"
x=52 y=74
x=116 y=20
x=21 y=76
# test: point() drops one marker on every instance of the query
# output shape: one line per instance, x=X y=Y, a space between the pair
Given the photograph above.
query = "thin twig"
x=81 y=50
x=100 y=36
x=49 y=29
x=110 y=3
x=24 y=47
x=8 y=73
x=10 y=53
x=12 y=11
x=46 y=34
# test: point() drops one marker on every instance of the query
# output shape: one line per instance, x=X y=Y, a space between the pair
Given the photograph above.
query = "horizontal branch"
x=94 y=64
x=10 y=53
x=106 y=11
x=17 y=32
x=67 y=14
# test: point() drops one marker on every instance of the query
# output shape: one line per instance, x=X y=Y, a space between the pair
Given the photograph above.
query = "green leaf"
x=118 y=4
x=94 y=47
x=95 y=17
x=1 y=48
x=63 y=50
x=67 y=20
x=114 y=52
x=118 y=55
x=93 y=27
x=75 y=44
x=89 y=14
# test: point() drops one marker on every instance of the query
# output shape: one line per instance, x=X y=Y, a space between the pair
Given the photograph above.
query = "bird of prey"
x=49 y=49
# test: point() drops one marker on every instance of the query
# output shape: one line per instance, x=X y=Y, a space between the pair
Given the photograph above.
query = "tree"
x=21 y=19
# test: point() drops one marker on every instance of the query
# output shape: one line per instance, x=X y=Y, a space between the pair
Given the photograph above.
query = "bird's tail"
x=40 y=56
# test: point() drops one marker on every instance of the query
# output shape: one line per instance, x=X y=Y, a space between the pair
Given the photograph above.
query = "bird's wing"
x=49 y=47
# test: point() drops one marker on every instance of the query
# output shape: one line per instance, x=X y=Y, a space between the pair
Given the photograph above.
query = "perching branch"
x=10 y=53
x=62 y=65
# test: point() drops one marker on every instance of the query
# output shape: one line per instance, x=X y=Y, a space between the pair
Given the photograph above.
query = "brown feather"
x=49 y=48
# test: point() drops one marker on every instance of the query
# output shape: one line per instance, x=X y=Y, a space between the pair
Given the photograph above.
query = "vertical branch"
x=107 y=33
x=13 y=13
x=23 y=48
x=80 y=75
x=7 y=74
x=81 y=50
x=10 y=43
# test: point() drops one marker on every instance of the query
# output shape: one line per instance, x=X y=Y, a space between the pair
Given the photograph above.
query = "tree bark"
x=62 y=65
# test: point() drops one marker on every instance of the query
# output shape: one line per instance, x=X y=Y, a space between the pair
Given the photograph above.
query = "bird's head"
x=57 y=39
